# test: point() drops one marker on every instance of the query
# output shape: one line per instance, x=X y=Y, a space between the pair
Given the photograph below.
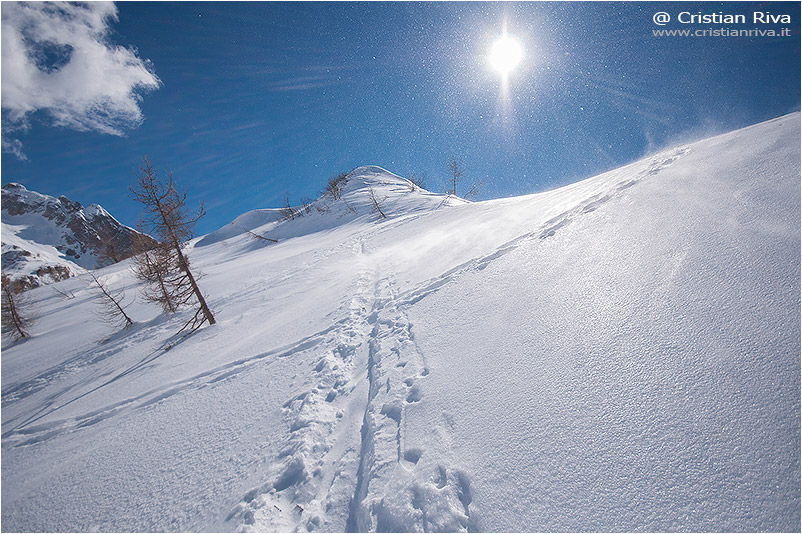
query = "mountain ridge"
x=47 y=239
x=394 y=196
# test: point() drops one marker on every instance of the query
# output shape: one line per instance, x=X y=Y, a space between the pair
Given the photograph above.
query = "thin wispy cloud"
x=301 y=86
x=14 y=146
x=300 y=83
x=57 y=58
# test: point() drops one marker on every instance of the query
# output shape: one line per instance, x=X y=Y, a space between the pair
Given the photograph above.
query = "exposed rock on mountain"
x=47 y=239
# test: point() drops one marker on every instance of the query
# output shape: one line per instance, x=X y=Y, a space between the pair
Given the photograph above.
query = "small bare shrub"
x=306 y=206
x=335 y=185
x=376 y=203
x=474 y=190
x=416 y=182
x=66 y=295
x=112 y=303
x=287 y=213
x=259 y=237
x=455 y=171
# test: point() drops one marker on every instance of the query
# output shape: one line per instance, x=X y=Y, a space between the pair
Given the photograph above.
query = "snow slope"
x=619 y=354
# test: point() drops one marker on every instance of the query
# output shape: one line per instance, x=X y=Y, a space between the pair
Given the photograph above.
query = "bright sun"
x=505 y=54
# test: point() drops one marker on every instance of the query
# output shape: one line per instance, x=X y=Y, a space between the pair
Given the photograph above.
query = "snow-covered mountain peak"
x=372 y=176
x=367 y=177
x=17 y=199
x=371 y=171
x=43 y=235
x=367 y=193
x=96 y=210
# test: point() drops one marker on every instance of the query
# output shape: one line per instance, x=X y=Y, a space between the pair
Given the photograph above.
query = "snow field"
x=618 y=354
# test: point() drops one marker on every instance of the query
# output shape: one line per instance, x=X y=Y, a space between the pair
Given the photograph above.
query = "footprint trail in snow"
x=347 y=464
x=370 y=374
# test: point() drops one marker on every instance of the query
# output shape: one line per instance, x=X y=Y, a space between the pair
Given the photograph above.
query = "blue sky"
x=256 y=100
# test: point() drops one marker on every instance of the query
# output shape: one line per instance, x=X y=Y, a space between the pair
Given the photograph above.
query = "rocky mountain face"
x=47 y=239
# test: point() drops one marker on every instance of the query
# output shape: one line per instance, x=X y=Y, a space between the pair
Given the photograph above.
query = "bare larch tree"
x=287 y=213
x=376 y=203
x=109 y=253
x=335 y=185
x=456 y=173
x=17 y=316
x=112 y=303
x=152 y=266
x=166 y=218
x=259 y=237
x=416 y=181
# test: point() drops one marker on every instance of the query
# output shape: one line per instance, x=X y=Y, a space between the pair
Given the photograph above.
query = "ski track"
x=397 y=487
x=545 y=231
x=346 y=464
x=314 y=475
x=402 y=487
x=323 y=481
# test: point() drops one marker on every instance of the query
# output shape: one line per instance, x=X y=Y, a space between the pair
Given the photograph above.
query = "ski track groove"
x=546 y=230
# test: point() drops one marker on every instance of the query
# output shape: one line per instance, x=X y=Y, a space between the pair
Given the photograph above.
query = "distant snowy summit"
x=365 y=193
x=47 y=239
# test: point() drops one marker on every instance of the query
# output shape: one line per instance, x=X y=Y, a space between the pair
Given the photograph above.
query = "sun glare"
x=505 y=54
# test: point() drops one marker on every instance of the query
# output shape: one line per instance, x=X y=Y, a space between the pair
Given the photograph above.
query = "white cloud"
x=56 y=57
x=14 y=146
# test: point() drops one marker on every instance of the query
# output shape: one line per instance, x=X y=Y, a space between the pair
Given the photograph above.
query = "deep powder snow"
x=621 y=354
